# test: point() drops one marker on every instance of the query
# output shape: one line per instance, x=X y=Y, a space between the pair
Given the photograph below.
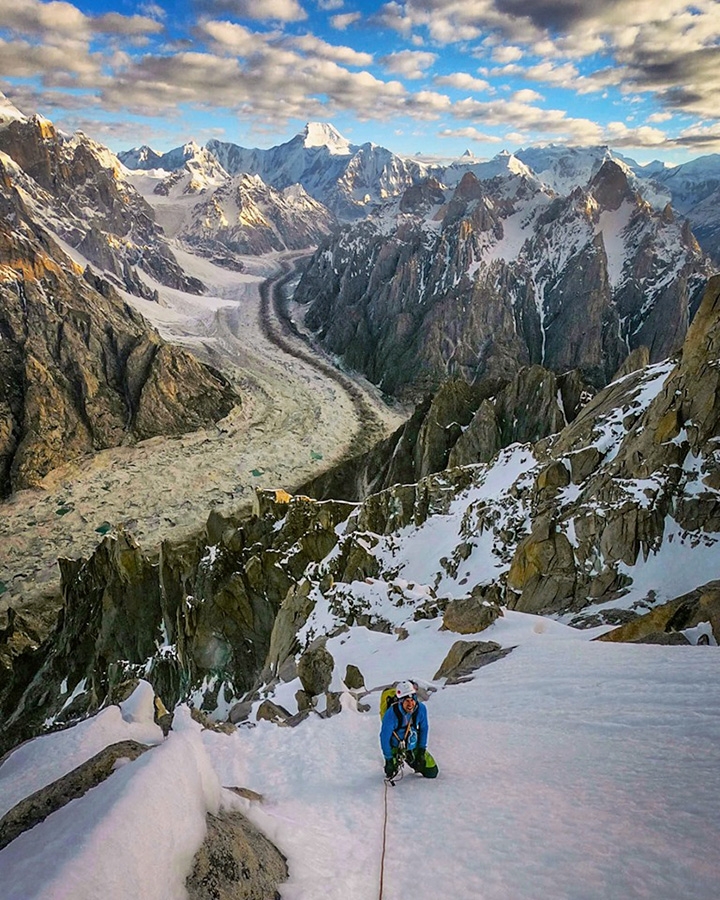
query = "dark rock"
x=272 y=712
x=81 y=371
x=465 y=657
x=470 y=616
x=315 y=669
x=354 y=680
x=37 y=807
x=236 y=862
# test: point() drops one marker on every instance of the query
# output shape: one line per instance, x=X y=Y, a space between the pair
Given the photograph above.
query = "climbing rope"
x=382 y=858
x=398 y=776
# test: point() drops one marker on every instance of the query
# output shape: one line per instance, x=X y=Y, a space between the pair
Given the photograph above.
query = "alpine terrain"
x=280 y=428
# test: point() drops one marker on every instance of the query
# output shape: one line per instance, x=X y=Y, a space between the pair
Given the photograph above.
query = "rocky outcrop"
x=670 y=620
x=199 y=620
x=77 y=188
x=236 y=862
x=79 y=369
x=410 y=298
x=459 y=425
x=470 y=615
x=315 y=668
x=38 y=806
x=465 y=657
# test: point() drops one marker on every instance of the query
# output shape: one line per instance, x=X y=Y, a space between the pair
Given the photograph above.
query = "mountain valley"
x=278 y=427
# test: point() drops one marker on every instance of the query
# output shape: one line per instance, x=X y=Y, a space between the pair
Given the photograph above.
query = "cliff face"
x=244 y=215
x=79 y=369
x=499 y=275
x=75 y=187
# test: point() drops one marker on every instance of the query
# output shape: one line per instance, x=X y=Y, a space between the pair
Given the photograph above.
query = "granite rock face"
x=411 y=298
x=79 y=369
x=460 y=425
x=77 y=188
x=245 y=216
x=236 y=862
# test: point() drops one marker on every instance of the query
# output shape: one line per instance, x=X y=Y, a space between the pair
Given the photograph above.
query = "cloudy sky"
x=429 y=76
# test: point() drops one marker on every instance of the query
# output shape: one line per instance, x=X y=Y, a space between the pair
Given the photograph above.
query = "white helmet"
x=404 y=689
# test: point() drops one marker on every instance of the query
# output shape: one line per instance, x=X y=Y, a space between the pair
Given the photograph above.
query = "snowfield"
x=569 y=769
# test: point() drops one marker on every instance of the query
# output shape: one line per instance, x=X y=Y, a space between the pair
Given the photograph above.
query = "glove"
x=417 y=760
x=389 y=768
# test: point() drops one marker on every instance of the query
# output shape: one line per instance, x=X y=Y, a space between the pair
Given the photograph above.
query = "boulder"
x=469 y=616
x=354 y=679
x=315 y=668
x=272 y=712
x=235 y=862
x=465 y=657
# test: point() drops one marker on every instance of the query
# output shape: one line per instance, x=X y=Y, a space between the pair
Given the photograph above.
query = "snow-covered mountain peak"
x=502 y=165
x=322 y=134
x=9 y=112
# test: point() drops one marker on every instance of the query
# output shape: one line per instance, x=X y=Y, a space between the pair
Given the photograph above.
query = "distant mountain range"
x=478 y=280
x=352 y=179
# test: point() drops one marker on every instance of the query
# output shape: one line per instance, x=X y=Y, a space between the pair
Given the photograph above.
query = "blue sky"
x=430 y=76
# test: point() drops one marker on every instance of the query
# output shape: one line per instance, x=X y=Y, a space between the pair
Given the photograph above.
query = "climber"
x=405 y=728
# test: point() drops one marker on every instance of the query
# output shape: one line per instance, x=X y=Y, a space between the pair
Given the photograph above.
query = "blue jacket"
x=391 y=733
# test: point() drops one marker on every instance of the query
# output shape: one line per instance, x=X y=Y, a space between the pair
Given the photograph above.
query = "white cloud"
x=526 y=96
x=345 y=20
x=312 y=45
x=469 y=133
x=275 y=10
x=507 y=53
x=619 y=135
x=60 y=19
x=463 y=82
x=660 y=117
x=410 y=63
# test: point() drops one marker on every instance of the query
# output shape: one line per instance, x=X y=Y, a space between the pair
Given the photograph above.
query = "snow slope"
x=569 y=769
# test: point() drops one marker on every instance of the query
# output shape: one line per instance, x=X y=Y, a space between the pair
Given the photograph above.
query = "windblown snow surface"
x=569 y=769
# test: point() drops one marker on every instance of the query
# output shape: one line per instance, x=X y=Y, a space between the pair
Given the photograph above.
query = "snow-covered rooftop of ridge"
x=567 y=769
x=322 y=134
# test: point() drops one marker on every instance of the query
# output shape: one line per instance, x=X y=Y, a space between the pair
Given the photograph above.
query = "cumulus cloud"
x=506 y=53
x=345 y=20
x=619 y=135
x=522 y=116
x=229 y=36
x=276 y=10
x=470 y=134
x=310 y=44
x=463 y=82
x=527 y=96
x=410 y=63
x=65 y=63
x=32 y=18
